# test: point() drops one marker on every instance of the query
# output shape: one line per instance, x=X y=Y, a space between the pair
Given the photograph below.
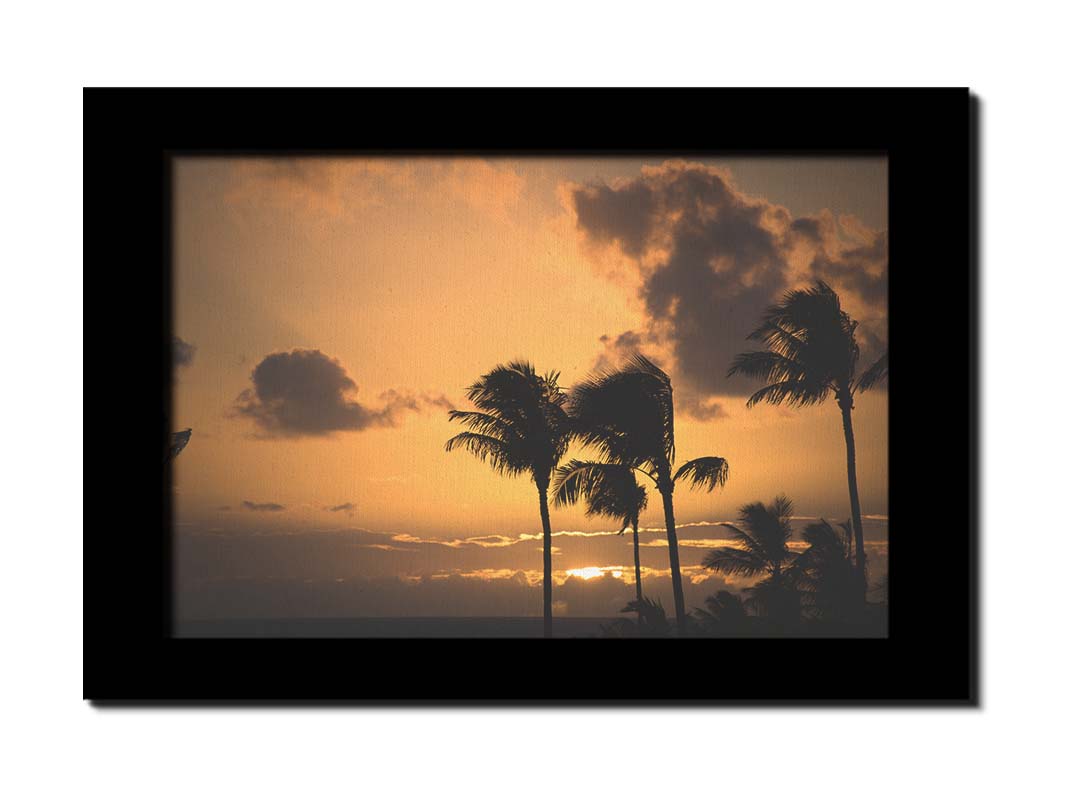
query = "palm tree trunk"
x=546 y=527
x=637 y=577
x=676 y=569
x=853 y=490
x=637 y=563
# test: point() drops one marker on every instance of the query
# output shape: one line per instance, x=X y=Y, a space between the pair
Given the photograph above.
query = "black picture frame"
x=930 y=655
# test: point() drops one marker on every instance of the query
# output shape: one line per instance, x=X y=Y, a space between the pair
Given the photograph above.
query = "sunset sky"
x=331 y=311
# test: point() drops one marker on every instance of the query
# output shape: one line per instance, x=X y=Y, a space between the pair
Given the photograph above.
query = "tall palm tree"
x=609 y=490
x=761 y=550
x=627 y=417
x=811 y=354
x=521 y=427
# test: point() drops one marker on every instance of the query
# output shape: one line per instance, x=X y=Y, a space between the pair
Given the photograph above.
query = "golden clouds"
x=336 y=187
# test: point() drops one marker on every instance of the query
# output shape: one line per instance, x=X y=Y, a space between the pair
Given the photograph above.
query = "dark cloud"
x=710 y=260
x=183 y=352
x=623 y=215
x=700 y=409
x=250 y=506
x=617 y=348
x=307 y=393
x=850 y=269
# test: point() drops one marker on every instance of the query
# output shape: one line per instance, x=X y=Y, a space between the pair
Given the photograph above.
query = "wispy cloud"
x=183 y=352
x=250 y=506
x=348 y=509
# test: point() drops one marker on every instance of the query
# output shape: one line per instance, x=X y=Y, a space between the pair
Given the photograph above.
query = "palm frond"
x=627 y=415
x=761 y=544
x=733 y=561
x=609 y=490
x=770 y=526
x=521 y=424
x=793 y=393
x=766 y=365
x=746 y=541
x=486 y=448
x=707 y=472
x=480 y=422
x=875 y=373
x=810 y=350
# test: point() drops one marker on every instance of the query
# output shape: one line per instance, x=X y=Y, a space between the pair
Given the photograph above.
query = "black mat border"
x=931 y=139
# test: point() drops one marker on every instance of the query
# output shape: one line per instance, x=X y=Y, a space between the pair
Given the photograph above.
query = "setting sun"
x=595 y=572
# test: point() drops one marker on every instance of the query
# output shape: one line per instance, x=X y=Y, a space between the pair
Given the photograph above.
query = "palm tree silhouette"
x=521 y=427
x=725 y=613
x=627 y=416
x=811 y=353
x=824 y=574
x=761 y=549
x=609 y=490
x=651 y=618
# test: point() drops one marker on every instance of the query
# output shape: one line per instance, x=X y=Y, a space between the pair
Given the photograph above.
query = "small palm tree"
x=761 y=550
x=811 y=354
x=521 y=427
x=824 y=574
x=725 y=613
x=609 y=490
x=652 y=621
x=651 y=618
x=627 y=417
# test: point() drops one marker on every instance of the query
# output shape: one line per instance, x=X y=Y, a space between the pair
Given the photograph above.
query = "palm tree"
x=761 y=550
x=627 y=417
x=812 y=353
x=725 y=614
x=652 y=621
x=609 y=490
x=824 y=574
x=521 y=427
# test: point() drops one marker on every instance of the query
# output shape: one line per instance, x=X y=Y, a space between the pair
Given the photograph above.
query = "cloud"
x=453 y=593
x=250 y=506
x=381 y=573
x=183 y=352
x=339 y=187
x=700 y=409
x=307 y=393
x=709 y=259
x=348 y=508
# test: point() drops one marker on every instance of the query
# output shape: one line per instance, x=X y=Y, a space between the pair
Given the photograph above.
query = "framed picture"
x=532 y=396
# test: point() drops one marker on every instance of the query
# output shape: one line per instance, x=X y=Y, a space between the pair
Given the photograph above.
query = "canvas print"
x=582 y=396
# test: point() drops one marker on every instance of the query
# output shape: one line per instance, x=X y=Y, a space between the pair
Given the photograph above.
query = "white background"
x=55 y=745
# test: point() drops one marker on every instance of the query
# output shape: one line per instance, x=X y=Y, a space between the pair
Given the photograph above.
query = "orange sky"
x=418 y=275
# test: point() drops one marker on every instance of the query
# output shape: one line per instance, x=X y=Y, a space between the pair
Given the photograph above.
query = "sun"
x=588 y=573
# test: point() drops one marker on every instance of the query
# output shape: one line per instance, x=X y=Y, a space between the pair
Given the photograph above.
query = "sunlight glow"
x=587 y=573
